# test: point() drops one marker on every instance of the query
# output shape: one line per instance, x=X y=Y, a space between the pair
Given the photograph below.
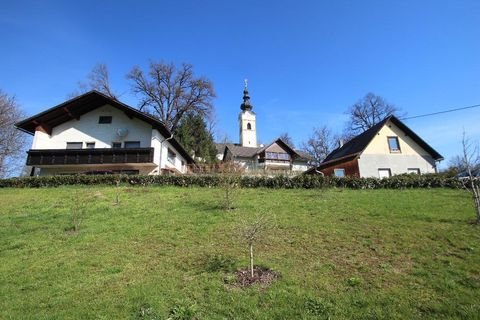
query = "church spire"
x=246 y=106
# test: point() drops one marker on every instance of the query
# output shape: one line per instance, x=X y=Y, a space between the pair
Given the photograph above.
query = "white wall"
x=87 y=129
x=177 y=164
x=370 y=163
x=248 y=138
x=299 y=166
x=377 y=154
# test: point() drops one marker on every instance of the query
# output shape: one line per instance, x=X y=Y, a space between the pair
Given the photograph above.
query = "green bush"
x=404 y=181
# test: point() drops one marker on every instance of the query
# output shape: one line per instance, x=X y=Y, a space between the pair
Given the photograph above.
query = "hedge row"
x=301 y=181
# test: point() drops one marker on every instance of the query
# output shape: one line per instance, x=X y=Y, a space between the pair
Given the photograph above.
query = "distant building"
x=386 y=149
x=93 y=133
x=274 y=157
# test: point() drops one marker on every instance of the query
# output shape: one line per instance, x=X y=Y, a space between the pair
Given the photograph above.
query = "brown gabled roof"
x=302 y=155
x=76 y=107
x=242 y=152
x=249 y=152
x=360 y=142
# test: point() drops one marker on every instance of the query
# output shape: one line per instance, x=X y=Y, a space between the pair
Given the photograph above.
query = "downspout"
x=161 y=152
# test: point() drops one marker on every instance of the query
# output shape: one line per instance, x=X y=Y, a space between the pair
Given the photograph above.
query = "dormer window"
x=105 y=119
x=249 y=126
x=393 y=144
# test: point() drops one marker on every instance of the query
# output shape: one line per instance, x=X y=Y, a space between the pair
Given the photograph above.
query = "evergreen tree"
x=192 y=133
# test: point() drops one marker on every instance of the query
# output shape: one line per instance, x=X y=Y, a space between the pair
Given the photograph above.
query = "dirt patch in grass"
x=261 y=275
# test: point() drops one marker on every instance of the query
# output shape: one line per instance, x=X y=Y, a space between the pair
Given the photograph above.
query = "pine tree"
x=192 y=133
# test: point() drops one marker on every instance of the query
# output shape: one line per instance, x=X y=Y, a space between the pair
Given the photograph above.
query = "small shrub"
x=76 y=213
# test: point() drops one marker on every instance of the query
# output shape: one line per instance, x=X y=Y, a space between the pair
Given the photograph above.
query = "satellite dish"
x=122 y=133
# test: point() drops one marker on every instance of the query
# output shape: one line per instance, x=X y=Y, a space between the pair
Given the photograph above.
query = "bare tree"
x=168 y=92
x=285 y=137
x=230 y=173
x=98 y=79
x=320 y=144
x=367 y=112
x=11 y=140
x=252 y=232
x=471 y=157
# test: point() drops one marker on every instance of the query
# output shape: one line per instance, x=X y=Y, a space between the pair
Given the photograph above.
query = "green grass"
x=380 y=254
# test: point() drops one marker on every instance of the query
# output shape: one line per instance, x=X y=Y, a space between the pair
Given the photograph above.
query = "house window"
x=249 y=126
x=74 y=145
x=276 y=155
x=393 y=144
x=384 y=173
x=116 y=145
x=171 y=156
x=339 y=173
x=413 y=170
x=105 y=119
x=132 y=144
x=90 y=145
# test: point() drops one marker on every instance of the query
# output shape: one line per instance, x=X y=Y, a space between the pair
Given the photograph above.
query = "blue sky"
x=306 y=61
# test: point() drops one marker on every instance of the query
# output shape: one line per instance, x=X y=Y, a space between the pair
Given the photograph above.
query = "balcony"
x=48 y=157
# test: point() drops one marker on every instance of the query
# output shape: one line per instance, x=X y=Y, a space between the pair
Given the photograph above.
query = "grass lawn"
x=165 y=252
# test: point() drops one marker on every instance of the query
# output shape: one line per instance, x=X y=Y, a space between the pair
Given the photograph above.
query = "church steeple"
x=247 y=121
x=246 y=106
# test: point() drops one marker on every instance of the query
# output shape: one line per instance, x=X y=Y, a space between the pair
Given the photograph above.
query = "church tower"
x=247 y=120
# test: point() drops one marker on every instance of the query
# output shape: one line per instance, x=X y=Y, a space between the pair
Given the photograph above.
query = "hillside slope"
x=166 y=252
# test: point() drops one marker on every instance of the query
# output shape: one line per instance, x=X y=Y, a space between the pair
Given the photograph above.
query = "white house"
x=93 y=133
x=386 y=149
x=276 y=156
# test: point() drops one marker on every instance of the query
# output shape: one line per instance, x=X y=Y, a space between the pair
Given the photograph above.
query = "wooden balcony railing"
x=37 y=157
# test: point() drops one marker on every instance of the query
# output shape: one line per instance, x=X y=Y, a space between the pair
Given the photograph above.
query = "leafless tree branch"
x=169 y=92
x=98 y=79
x=367 y=112
x=320 y=144
x=471 y=158
x=12 y=141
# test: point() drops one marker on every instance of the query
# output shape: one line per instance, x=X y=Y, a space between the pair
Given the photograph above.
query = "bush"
x=404 y=181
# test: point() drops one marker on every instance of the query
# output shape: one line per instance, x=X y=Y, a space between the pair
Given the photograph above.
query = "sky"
x=306 y=61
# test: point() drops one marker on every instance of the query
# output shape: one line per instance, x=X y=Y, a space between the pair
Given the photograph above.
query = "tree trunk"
x=251 y=260
x=476 y=198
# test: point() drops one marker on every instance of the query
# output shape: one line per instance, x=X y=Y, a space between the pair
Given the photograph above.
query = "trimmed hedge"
x=302 y=181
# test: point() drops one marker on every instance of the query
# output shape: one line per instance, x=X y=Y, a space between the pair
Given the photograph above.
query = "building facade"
x=93 y=133
x=388 y=148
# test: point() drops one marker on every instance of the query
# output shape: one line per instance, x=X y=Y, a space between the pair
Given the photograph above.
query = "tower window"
x=249 y=126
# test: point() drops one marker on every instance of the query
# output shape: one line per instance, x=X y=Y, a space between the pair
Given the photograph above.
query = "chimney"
x=340 y=143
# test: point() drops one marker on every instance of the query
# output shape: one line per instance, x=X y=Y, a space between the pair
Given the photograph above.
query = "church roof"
x=246 y=105
x=242 y=152
x=249 y=152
